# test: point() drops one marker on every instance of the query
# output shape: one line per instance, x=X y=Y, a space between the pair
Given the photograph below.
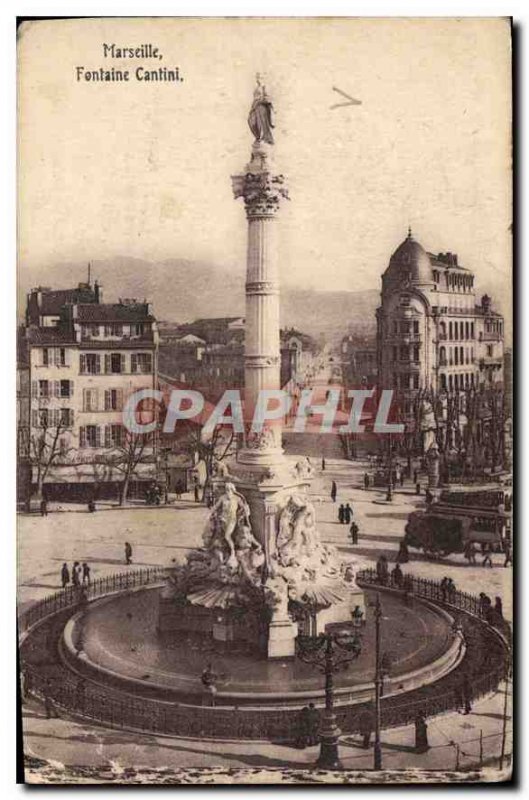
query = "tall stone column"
x=262 y=190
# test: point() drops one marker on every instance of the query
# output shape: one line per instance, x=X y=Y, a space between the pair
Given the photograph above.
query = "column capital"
x=261 y=191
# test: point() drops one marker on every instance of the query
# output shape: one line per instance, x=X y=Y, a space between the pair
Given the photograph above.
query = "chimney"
x=98 y=292
x=486 y=302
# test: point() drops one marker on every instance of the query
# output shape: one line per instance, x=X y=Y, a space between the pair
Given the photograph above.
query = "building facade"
x=84 y=358
x=431 y=333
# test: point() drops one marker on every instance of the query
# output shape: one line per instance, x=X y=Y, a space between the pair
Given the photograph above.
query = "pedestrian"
x=444 y=589
x=75 y=573
x=178 y=490
x=470 y=552
x=80 y=695
x=303 y=727
x=128 y=553
x=366 y=481
x=382 y=570
x=396 y=576
x=48 y=703
x=498 y=608
x=402 y=477
x=91 y=505
x=415 y=476
x=86 y=573
x=366 y=728
x=348 y=513
x=451 y=590
x=397 y=476
x=487 y=553
x=508 y=554
x=421 y=734
x=323 y=463
x=334 y=491
x=208 y=679
x=43 y=507
x=417 y=488
x=314 y=724
x=466 y=695
x=403 y=555
x=341 y=514
x=65 y=575
x=195 y=490
x=429 y=497
x=353 y=531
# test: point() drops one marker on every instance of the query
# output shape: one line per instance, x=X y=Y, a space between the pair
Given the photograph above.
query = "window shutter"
x=35 y=388
x=85 y=399
x=35 y=418
x=98 y=436
x=57 y=388
x=98 y=363
x=107 y=363
x=82 y=364
x=108 y=400
x=95 y=400
x=108 y=438
x=133 y=362
x=70 y=417
x=119 y=399
x=123 y=362
x=82 y=437
x=70 y=388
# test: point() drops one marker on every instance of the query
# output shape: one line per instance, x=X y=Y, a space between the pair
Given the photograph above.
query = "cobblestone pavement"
x=160 y=534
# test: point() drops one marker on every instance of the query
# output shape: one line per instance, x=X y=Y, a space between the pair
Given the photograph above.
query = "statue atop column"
x=260 y=116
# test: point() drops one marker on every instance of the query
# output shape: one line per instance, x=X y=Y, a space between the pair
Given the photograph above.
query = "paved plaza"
x=159 y=535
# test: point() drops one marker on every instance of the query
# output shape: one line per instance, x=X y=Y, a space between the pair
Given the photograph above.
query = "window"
x=450 y=334
x=89 y=436
x=44 y=388
x=114 y=435
x=65 y=388
x=113 y=399
x=137 y=329
x=141 y=362
x=489 y=350
x=90 y=363
x=66 y=417
x=456 y=355
x=467 y=330
x=40 y=418
x=60 y=357
x=416 y=327
x=90 y=400
x=45 y=357
x=115 y=363
x=114 y=329
x=90 y=331
x=416 y=354
x=443 y=381
x=415 y=381
x=404 y=353
x=405 y=327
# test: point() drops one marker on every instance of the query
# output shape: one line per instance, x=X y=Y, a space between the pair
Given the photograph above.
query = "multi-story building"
x=431 y=333
x=84 y=358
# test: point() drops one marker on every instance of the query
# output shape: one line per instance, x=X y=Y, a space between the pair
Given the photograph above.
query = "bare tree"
x=211 y=449
x=134 y=449
x=47 y=448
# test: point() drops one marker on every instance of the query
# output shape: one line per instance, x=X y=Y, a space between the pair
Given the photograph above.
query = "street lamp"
x=330 y=652
x=377 y=762
x=389 y=496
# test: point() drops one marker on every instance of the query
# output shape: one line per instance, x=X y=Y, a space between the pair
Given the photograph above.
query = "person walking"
x=303 y=728
x=196 y=493
x=43 y=507
x=466 y=695
x=366 y=481
x=323 y=463
x=421 y=734
x=353 y=531
x=415 y=476
x=403 y=556
x=396 y=576
x=75 y=574
x=86 y=573
x=366 y=728
x=65 y=575
x=498 y=608
x=348 y=513
x=208 y=679
x=128 y=553
x=314 y=724
x=487 y=553
x=402 y=477
x=341 y=514
x=334 y=491
x=91 y=505
x=508 y=554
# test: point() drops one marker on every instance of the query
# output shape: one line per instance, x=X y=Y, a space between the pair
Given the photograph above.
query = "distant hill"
x=183 y=290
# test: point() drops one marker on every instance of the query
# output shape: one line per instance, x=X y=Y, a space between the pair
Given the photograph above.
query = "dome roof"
x=411 y=260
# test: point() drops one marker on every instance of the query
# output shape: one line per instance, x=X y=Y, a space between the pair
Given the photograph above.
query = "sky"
x=143 y=170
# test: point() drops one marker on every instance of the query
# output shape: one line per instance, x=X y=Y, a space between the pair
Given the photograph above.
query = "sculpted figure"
x=230 y=510
x=249 y=554
x=260 y=116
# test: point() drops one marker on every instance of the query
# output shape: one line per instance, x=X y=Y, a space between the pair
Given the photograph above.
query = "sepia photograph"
x=264 y=399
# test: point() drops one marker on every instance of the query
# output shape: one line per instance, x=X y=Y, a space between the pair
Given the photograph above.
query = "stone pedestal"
x=282 y=638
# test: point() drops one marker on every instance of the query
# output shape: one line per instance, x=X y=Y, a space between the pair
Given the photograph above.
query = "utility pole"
x=505 y=710
x=389 y=495
x=377 y=763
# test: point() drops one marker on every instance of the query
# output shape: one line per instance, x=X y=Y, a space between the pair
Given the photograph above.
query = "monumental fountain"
x=262 y=552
